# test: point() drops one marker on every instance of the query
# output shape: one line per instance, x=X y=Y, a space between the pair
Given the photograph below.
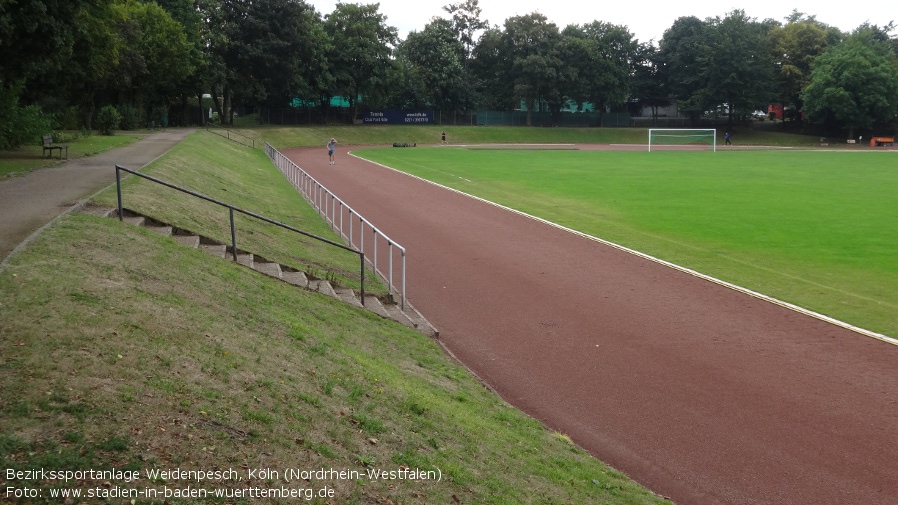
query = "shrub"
x=20 y=125
x=71 y=118
x=130 y=117
x=108 y=120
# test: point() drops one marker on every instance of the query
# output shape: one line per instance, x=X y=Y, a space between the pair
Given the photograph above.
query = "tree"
x=360 y=55
x=601 y=56
x=50 y=50
x=530 y=45
x=190 y=15
x=214 y=32
x=650 y=79
x=740 y=70
x=164 y=52
x=95 y=60
x=794 y=47
x=719 y=61
x=491 y=71
x=434 y=58
x=854 y=85
x=273 y=50
x=683 y=50
x=36 y=36
x=465 y=23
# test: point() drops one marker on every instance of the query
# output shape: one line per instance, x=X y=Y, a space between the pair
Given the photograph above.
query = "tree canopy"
x=162 y=57
x=360 y=56
x=855 y=83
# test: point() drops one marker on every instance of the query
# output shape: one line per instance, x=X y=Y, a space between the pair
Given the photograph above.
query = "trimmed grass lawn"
x=813 y=228
x=30 y=157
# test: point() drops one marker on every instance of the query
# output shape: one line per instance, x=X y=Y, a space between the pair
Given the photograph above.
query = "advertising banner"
x=398 y=117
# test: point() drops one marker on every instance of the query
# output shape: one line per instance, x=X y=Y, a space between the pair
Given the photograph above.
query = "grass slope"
x=120 y=349
x=813 y=228
x=251 y=184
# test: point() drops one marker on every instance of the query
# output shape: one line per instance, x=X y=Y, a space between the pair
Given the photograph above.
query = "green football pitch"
x=816 y=229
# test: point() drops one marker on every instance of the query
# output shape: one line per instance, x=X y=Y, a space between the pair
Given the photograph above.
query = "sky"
x=646 y=20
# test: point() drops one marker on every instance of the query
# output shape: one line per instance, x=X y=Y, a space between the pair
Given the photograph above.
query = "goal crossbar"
x=688 y=136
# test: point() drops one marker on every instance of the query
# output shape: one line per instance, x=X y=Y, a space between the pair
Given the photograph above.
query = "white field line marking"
x=755 y=294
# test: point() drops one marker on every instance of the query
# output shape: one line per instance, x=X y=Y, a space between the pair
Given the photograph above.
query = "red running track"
x=699 y=392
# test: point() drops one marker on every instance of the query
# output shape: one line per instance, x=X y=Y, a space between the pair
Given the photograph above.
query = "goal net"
x=684 y=138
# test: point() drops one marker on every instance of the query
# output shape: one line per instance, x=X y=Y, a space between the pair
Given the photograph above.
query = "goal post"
x=682 y=137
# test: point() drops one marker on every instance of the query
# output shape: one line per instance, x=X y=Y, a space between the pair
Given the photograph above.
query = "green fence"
x=569 y=119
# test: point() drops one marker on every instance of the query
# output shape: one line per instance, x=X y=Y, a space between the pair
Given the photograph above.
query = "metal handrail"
x=228 y=136
x=231 y=209
x=333 y=209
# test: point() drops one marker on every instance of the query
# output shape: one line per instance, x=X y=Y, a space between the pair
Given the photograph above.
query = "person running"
x=726 y=137
x=331 y=147
x=444 y=137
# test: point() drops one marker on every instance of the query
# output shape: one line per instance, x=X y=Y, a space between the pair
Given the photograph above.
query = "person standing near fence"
x=331 y=147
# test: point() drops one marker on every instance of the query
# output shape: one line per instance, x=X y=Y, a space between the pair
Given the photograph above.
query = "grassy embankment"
x=121 y=349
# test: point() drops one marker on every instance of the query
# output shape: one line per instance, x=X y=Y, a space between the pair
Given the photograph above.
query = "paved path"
x=31 y=201
x=697 y=391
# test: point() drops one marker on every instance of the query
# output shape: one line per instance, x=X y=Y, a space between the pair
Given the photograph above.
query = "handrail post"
x=118 y=189
x=233 y=234
x=403 y=279
x=374 y=247
x=362 y=275
x=390 y=263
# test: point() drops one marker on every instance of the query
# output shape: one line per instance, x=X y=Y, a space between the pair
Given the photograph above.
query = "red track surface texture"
x=699 y=392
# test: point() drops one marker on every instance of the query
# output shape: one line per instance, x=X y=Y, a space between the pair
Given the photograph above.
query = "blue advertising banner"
x=398 y=117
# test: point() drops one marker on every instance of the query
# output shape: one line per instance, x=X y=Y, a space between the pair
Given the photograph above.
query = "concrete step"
x=323 y=287
x=244 y=258
x=162 y=230
x=268 y=268
x=396 y=314
x=373 y=304
x=136 y=220
x=188 y=240
x=294 y=277
x=348 y=296
x=219 y=250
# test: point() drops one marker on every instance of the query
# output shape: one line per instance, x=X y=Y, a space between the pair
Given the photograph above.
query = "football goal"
x=660 y=138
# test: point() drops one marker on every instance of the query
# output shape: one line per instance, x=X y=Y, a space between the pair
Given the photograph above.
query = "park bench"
x=50 y=146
